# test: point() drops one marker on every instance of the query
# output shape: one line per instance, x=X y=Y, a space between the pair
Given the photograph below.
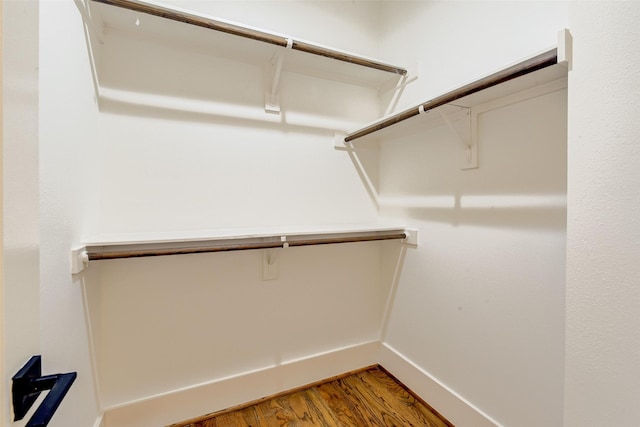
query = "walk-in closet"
x=208 y=203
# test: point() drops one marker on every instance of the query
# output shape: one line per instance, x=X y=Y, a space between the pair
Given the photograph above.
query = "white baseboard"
x=447 y=402
x=98 y=422
x=180 y=405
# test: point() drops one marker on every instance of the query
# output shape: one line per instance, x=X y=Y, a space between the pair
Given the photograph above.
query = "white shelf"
x=545 y=67
x=528 y=74
x=161 y=244
x=177 y=26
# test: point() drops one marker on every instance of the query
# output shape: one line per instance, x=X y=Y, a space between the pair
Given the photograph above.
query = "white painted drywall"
x=175 y=168
x=171 y=324
x=347 y=25
x=454 y=43
x=2 y=369
x=21 y=318
x=67 y=143
x=480 y=304
x=165 y=324
x=603 y=230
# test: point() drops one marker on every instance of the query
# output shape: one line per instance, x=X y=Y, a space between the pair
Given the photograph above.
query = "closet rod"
x=97 y=254
x=538 y=62
x=241 y=31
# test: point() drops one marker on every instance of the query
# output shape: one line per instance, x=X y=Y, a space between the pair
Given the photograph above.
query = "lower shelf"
x=118 y=247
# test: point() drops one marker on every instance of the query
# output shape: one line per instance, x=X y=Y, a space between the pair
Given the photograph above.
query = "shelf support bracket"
x=411 y=238
x=413 y=73
x=270 y=270
x=466 y=137
x=274 y=70
x=83 y=7
x=79 y=260
x=565 y=48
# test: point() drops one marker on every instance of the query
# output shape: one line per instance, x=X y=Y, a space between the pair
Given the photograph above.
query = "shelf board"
x=171 y=25
x=161 y=244
x=525 y=75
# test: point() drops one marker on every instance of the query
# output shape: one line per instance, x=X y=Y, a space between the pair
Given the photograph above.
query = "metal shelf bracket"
x=274 y=70
x=466 y=134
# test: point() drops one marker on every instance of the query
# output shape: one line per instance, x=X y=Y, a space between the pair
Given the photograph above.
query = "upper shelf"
x=542 y=68
x=237 y=41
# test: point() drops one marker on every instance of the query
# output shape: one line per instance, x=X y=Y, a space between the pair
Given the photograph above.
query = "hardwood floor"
x=370 y=397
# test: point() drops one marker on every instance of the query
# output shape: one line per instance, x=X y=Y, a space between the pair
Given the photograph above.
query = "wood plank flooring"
x=370 y=397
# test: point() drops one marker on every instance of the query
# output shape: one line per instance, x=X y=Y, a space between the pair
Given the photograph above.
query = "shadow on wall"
x=151 y=67
x=392 y=259
x=543 y=212
x=366 y=161
x=520 y=182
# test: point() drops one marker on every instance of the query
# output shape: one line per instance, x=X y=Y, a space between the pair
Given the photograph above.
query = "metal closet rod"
x=538 y=62
x=241 y=31
x=97 y=254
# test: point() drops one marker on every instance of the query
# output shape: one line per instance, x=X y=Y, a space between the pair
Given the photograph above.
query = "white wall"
x=2 y=351
x=479 y=305
x=43 y=311
x=130 y=168
x=603 y=297
x=244 y=167
x=68 y=136
x=171 y=324
x=353 y=24
x=182 y=142
x=21 y=299
x=458 y=42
